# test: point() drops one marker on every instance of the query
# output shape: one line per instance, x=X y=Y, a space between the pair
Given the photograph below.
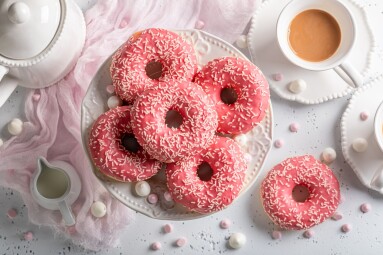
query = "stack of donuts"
x=180 y=116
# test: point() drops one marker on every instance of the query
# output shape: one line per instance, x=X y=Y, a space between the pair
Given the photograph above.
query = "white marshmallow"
x=142 y=188
x=15 y=127
x=114 y=101
x=237 y=240
x=360 y=145
x=241 y=42
x=98 y=209
x=328 y=155
x=297 y=86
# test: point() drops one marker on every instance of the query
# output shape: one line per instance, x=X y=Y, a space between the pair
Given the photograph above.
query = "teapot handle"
x=7 y=85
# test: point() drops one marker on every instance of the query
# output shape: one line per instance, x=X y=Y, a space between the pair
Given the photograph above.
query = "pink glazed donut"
x=243 y=81
x=115 y=151
x=214 y=191
x=277 y=193
x=128 y=70
x=197 y=126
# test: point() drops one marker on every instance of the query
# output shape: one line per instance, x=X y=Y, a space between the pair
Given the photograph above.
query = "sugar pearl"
x=110 y=89
x=181 y=241
x=360 y=145
x=346 y=228
x=237 y=240
x=167 y=228
x=297 y=86
x=153 y=198
x=364 y=116
x=156 y=246
x=328 y=155
x=278 y=143
x=308 y=233
x=114 y=101
x=36 y=97
x=276 y=234
x=199 y=24
x=337 y=216
x=277 y=77
x=224 y=224
x=168 y=196
x=28 y=236
x=142 y=188
x=365 y=208
x=98 y=209
x=12 y=213
x=15 y=127
x=241 y=42
x=294 y=127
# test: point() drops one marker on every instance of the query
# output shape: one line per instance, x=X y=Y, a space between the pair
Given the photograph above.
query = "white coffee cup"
x=60 y=195
x=338 y=60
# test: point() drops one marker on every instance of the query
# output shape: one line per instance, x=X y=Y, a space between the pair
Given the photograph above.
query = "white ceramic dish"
x=367 y=165
x=322 y=85
x=255 y=143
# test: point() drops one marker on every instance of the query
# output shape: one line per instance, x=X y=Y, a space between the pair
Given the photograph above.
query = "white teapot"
x=40 y=41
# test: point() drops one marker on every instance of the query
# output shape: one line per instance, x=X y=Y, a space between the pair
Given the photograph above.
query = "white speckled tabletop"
x=319 y=129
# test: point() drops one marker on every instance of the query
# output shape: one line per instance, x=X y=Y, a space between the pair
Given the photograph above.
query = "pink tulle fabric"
x=52 y=127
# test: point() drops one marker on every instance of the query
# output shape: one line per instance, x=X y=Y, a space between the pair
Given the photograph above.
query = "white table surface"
x=319 y=129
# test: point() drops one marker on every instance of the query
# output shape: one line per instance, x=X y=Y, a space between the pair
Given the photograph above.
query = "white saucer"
x=321 y=86
x=364 y=164
x=255 y=143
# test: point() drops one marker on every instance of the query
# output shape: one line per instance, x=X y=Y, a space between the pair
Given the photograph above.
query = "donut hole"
x=300 y=193
x=173 y=119
x=129 y=142
x=204 y=171
x=153 y=70
x=229 y=96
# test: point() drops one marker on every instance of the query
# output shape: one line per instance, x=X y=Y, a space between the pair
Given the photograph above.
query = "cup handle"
x=7 y=85
x=67 y=214
x=354 y=75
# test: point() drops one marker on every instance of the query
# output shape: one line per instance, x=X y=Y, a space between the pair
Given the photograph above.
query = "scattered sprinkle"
x=365 y=207
x=167 y=228
x=142 y=188
x=276 y=235
x=237 y=240
x=199 y=24
x=364 y=116
x=346 y=228
x=328 y=155
x=294 y=127
x=308 y=233
x=98 y=209
x=156 y=246
x=181 y=241
x=225 y=223
x=360 y=145
x=337 y=216
x=15 y=127
x=12 y=213
x=278 y=143
x=153 y=198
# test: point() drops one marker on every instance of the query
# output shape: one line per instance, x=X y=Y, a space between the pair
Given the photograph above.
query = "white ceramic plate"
x=370 y=162
x=321 y=86
x=255 y=143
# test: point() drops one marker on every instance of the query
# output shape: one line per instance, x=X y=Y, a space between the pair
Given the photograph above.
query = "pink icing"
x=224 y=224
x=12 y=213
x=278 y=77
x=346 y=228
x=365 y=208
x=248 y=83
x=294 y=127
x=108 y=154
x=276 y=234
x=308 y=233
x=173 y=144
x=156 y=246
x=322 y=185
x=168 y=228
x=337 y=216
x=181 y=241
x=228 y=164
x=279 y=143
x=159 y=45
x=153 y=198
x=28 y=236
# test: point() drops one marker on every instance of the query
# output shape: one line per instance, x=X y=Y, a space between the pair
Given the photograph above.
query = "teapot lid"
x=27 y=27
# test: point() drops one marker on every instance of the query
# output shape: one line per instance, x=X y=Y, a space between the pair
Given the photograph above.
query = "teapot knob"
x=19 y=13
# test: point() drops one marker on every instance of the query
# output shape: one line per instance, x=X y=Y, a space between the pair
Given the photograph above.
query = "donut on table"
x=206 y=193
x=167 y=53
x=115 y=151
x=239 y=90
x=304 y=171
x=196 y=127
